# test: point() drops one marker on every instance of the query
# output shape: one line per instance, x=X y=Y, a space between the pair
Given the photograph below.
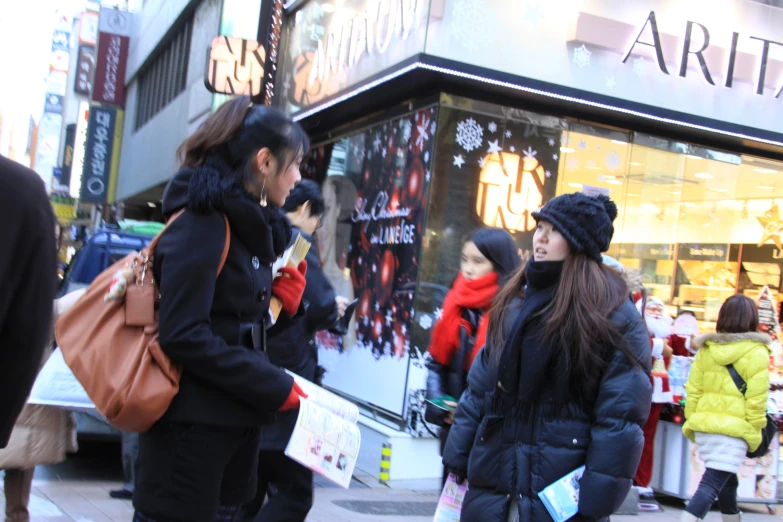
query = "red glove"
x=292 y=402
x=289 y=287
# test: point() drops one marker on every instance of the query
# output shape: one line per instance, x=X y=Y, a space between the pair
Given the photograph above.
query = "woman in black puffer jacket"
x=563 y=381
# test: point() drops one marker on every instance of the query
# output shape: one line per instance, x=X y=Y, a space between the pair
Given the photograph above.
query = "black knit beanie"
x=584 y=221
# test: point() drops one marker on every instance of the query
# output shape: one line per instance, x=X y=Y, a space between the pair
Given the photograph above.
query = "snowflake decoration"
x=512 y=148
x=548 y=174
x=377 y=307
x=482 y=162
x=438 y=313
x=470 y=135
x=459 y=161
x=582 y=144
x=573 y=164
x=508 y=133
x=640 y=66
x=494 y=146
x=404 y=330
x=555 y=157
x=611 y=83
x=377 y=142
x=426 y=156
x=468 y=23
x=423 y=132
x=551 y=142
x=383 y=152
x=530 y=154
x=493 y=127
x=425 y=321
x=407 y=130
x=612 y=161
x=388 y=318
x=433 y=127
x=582 y=56
x=427 y=179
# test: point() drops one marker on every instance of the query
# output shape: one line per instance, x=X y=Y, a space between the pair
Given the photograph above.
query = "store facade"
x=432 y=119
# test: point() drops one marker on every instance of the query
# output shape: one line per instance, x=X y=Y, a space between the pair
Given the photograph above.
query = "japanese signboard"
x=85 y=66
x=112 y=57
x=101 y=155
x=88 y=30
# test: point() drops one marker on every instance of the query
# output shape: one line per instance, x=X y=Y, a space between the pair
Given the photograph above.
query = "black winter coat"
x=28 y=280
x=452 y=379
x=204 y=320
x=607 y=440
x=291 y=345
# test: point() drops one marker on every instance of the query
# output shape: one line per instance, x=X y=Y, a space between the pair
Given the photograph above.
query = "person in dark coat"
x=563 y=381
x=287 y=484
x=28 y=278
x=488 y=257
x=198 y=463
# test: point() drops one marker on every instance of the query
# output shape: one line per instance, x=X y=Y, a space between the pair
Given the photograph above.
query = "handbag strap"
x=739 y=382
x=150 y=250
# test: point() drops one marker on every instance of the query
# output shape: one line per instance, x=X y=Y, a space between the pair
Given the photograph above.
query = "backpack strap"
x=739 y=382
x=150 y=250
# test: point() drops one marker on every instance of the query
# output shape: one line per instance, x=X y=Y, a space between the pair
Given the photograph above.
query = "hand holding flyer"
x=450 y=504
x=562 y=498
x=325 y=438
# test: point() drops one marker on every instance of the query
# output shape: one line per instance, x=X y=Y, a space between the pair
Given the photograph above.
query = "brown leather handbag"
x=112 y=347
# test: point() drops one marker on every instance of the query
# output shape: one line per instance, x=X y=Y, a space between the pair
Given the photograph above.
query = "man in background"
x=288 y=484
x=28 y=282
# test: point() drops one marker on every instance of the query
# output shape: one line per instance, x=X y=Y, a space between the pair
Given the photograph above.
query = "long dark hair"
x=238 y=130
x=576 y=323
x=497 y=245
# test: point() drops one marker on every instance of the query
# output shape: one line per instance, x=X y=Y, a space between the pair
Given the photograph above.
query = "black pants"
x=715 y=485
x=288 y=486
x=194 y=473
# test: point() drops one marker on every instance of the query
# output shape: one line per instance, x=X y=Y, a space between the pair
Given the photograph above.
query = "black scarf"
x=263 y=230
x=529 y=377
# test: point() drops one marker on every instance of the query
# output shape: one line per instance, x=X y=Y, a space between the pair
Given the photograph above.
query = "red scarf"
x=476 y=294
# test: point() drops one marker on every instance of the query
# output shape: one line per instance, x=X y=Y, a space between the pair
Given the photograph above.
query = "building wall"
x=149 y=153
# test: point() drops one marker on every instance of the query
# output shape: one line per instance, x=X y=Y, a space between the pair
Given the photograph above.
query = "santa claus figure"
x=660 y=327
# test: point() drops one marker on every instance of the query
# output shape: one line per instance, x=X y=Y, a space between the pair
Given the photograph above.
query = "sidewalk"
x=88 y=501
x=78 y=491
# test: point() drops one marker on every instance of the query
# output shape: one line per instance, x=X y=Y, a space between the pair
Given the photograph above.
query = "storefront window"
x=698 y=224
x=376 y=186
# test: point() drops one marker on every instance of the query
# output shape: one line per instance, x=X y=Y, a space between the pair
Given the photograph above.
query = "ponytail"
x=238 y=130
x=219 y=128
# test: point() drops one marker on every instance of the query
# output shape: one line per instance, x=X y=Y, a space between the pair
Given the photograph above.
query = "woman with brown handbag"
x=198 y=462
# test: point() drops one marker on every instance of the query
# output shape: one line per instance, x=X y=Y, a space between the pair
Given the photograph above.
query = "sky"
x=25 y=45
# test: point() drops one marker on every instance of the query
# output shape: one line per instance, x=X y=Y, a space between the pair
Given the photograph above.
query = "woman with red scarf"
x=487 y=258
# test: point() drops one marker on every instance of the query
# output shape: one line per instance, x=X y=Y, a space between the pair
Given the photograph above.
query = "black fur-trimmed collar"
x=213 y=186
x=726 y=338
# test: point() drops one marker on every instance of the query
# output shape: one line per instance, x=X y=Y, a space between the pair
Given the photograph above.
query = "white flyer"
x=451 y=500
x=562 y=498
x=326 y=438
x=57 y=386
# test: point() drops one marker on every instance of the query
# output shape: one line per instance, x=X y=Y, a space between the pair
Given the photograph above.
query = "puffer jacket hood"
x=714 y=403
x=727 y=349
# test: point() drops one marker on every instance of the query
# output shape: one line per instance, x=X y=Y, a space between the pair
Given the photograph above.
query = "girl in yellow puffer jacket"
x=724 y=423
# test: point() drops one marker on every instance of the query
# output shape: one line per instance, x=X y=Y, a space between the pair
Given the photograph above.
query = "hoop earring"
x=263 y=195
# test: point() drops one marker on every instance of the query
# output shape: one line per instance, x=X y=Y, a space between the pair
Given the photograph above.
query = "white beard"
x=660 y=328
